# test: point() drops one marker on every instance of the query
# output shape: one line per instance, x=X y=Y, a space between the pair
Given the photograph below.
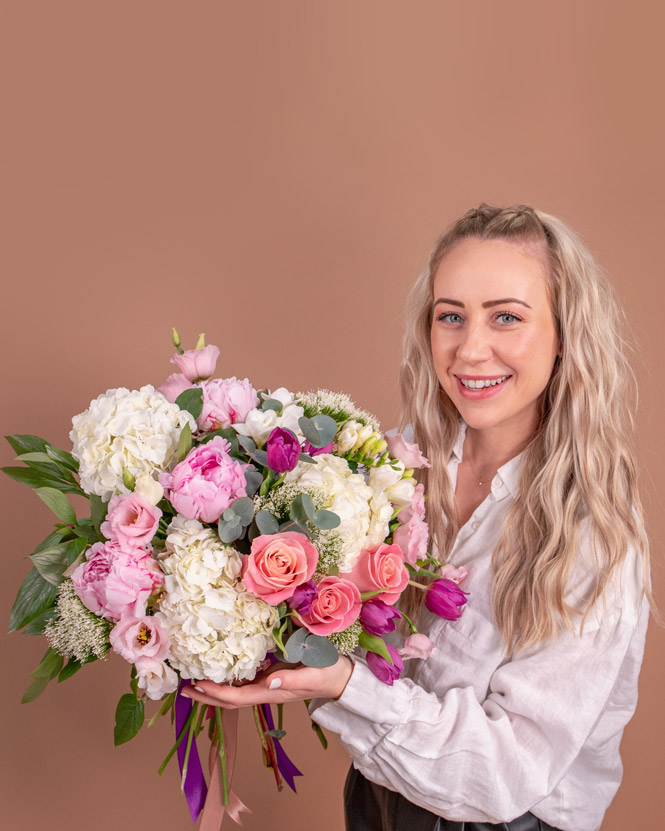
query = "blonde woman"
x=517 y=388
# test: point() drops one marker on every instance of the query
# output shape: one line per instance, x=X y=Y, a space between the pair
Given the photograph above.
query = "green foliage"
x=232 y=523
x=319 y=430
x=98 y=510
x=58 y=503
x=129 y=718
x=191 y=400
x=310 y=650
x=184 y=443
x=373 y=643
x=34 y=596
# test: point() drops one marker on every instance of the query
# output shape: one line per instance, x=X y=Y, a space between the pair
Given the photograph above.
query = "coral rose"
x=381 y=568
x=278 y=564
x=336 y=606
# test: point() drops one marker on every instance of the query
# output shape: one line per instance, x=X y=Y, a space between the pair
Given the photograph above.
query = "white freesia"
x=388 y=480
x=259 y=424
x=156 y=678
x=364 y=515
x=347 y=436
x=135 y=429
x=216 y=629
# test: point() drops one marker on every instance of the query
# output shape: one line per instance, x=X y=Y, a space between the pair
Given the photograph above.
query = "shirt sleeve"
x=494 y=759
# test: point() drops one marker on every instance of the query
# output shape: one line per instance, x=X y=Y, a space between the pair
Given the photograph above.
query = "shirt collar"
x=506 y=480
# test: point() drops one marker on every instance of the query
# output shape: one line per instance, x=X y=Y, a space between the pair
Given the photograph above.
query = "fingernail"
x=199 y=689
x=275 y=684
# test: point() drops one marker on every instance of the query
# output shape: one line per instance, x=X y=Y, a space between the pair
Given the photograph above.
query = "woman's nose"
x=475 y=344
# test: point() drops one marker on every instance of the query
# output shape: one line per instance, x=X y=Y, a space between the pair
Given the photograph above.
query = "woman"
x=517 y=389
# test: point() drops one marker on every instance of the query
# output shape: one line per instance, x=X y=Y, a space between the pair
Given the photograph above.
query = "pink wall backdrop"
x=273 y=174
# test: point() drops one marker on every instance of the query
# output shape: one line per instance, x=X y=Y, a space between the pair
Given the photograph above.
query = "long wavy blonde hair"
x=579 y=465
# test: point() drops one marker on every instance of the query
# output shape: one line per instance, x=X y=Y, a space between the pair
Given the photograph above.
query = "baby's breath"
x=337 y=405
x=346 y=640
x=74 y=631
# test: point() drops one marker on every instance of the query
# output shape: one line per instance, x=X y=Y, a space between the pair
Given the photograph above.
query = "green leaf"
x=129 y=717
x=48 y=542
x=26 y=444
x=325 y=520
x=319 y=732
x=191 y=400
x=97 y=510
x=319 y=430
x=272 y=404
x=50 y=665
x=319 y=652
x=36 y=626
x=128 y=479
x=254 y=480
x=247 y=444
x=184 y=443
x=229 y=531
x=266 y=522
x=275 y=734
x=243 y=508
x=295 y=646
x=62 y=457
x=87 y=531
x=58 y=503
x=35 y=456
x=51 y=563
x=34 y=690
x=71 y=668
x=35 y=596
x=373 y=643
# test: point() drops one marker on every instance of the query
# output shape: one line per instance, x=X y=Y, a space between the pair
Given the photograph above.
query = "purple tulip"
x=445 y=598
x=316 y=451
x=283 y=450
x=303 y=597
x=384 y=670
x=378 y=617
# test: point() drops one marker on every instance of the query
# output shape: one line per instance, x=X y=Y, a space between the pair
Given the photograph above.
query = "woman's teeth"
x=478 y=385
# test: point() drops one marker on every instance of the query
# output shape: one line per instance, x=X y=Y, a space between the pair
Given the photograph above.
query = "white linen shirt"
x=474 y=734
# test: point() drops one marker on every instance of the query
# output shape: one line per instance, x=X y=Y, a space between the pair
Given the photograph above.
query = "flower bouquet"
x=228 y=528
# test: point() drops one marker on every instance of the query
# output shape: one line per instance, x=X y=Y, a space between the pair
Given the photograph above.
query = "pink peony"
x=112 y=582
x=417 y=646
x=131 y=520
x=412 y=538
x=197 y=364
x=204 y=484
x=381 y=568
x=139 y=640
x=406 y=451
x=278 y=564
x=226 y=401
x=336 y=606
x=173 y=386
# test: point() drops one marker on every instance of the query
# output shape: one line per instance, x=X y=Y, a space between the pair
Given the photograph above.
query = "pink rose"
x=278 y=564
x=139 y=640
x=417 y=646
x=173 y=386
x=381 y=568
x=412 y=538
x=335 y=607
x=131 y=520
x=112 y=582
x=406 y=451
x=226 y=401
x=457 y=575
x=204 y=484
x=197 y=364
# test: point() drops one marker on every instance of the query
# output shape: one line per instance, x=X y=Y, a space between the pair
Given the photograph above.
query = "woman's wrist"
x=345 y=668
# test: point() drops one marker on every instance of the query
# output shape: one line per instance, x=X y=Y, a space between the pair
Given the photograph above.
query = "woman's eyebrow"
x=486 y=304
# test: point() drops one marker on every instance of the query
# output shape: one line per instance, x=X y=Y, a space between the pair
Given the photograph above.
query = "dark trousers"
x=370 y=807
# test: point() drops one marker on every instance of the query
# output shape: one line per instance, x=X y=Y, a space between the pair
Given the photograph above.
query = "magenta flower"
x=283 y=450
x=303 y=597
x=384 y=670
x=445 y=598
x=378 y=617
x=317 y=451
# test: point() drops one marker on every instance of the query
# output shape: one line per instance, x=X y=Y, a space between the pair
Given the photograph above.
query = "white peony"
x=135 y=429
x=216 y=629
x=364 y=514
x=259 y=424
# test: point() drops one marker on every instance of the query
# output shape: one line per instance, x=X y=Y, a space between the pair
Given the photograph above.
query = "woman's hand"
x=276 y=686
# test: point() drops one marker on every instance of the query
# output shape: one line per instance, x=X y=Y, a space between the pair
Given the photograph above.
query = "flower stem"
x=163 y=709
x=177 y=742
x=418 y=585
x=190 y=738
x=222 y=755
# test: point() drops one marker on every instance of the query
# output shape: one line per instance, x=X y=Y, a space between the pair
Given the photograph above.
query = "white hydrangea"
x=135 y=429
x=259 y=424
x=364 y=513
x=217 y=630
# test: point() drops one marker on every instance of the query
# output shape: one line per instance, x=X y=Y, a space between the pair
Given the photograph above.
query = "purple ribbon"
x=195 y=783
x=284 y=764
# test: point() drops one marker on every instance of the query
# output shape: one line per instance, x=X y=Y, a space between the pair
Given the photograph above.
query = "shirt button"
x=497 y=483
x=475 y=524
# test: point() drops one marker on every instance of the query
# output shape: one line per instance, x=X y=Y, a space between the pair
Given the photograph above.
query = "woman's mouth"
x=475 y=388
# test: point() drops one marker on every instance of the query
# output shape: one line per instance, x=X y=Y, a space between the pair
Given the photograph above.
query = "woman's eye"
x=508 y=317
x=449 y=317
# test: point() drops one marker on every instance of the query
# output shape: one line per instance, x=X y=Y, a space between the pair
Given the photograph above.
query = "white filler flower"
x=217 y=630
x=135 y=429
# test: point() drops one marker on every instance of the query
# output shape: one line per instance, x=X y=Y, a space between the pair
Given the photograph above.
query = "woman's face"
x=494 y=339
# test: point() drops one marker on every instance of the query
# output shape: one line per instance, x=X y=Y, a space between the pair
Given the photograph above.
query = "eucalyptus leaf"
x=272 y=404
x=253 y=479
x=34 y=596
x=129 y=717
x=304 y=457
x=318 y=652
x=308 y=505
x=295 y=646
x=261 y=457
x=191 y=400
x=243 y=508
x=266 y=522
x=319 y=430
x=246 y=443
x=229 y=532
x=58 y=503
x=326 y=520
x=275 y=734
x=34 y=690
x=296 y=527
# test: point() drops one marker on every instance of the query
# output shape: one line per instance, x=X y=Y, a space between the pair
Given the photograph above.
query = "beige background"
x=273 y=173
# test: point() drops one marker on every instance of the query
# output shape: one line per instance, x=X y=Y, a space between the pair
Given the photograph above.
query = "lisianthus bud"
x=384 y=670
x=197 y=364
x=283 y=449
x=445 y=598
x=378 y=617
x=303 y=597
x=417 y=646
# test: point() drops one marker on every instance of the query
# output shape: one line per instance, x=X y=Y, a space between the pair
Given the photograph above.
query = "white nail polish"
x=275 y=684
x=199 y=689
